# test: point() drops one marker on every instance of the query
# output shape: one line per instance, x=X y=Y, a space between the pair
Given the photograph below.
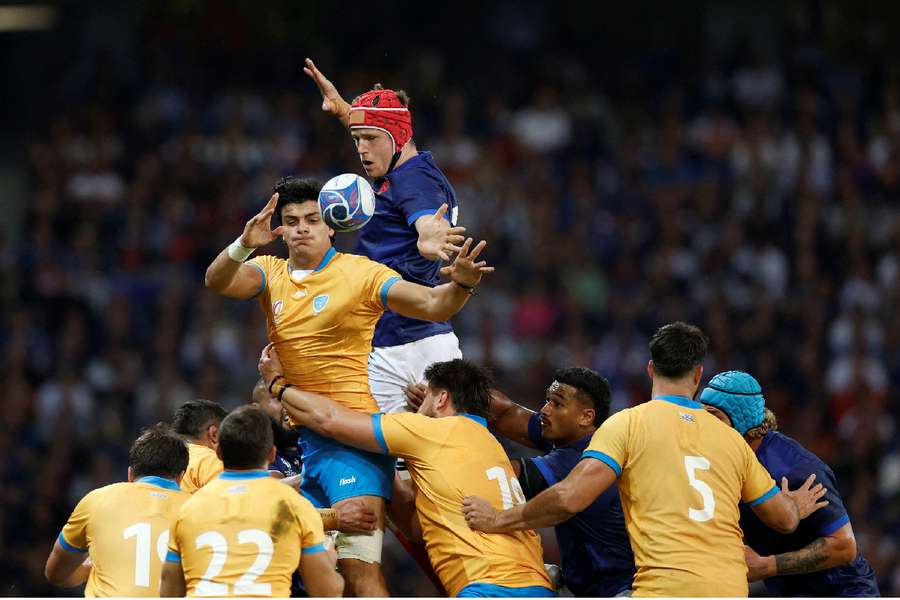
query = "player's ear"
x=698 y=374
x=271 y=458
x=130 y=475
x=587 y=417
x=212 y=432
x=650 y=368
x=180 y=476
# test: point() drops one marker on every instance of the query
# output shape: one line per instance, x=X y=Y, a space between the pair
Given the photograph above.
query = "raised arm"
x=227 y=274
x=319 y=413
x=441 y=302
x=332 y=103
x=510 y=419
x=558 y=503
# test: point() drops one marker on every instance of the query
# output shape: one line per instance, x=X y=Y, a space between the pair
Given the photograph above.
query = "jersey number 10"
x=510 y=489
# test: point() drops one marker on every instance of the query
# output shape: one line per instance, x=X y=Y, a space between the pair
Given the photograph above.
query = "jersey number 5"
x=691 y=464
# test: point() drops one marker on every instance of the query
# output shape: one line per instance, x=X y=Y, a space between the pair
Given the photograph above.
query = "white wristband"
x=238 y=252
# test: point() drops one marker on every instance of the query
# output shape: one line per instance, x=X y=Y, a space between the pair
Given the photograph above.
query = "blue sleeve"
x=536 y=435
x=828 y=519
x=420 y=195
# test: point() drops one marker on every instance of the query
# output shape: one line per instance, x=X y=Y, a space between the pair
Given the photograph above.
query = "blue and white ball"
x=346 y=202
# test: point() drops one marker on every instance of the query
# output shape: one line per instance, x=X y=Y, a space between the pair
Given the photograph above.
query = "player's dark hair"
x=468 y=384
x=158 y=451
x=593 y=389
x=245 y=438
x=295 y=190
x=194 y=416
x=677 y=348
x=402 y=96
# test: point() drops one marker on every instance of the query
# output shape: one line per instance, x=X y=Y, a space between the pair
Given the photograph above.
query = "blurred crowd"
x=754 y=195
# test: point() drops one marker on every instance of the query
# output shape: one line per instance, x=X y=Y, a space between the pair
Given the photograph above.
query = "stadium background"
x=629 y=165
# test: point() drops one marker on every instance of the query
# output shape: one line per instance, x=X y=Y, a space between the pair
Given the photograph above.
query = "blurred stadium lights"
x=27 y=18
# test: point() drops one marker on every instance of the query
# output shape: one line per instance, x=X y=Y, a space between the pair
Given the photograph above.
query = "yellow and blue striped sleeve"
x=74 y=534
x=610 y=442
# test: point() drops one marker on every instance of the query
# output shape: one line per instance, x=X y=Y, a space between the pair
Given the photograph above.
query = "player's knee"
x=361 y=547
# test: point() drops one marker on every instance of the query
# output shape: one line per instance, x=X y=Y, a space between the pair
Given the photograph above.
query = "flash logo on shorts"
x=347 y=481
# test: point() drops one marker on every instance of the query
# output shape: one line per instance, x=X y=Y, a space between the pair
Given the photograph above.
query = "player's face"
x=560 y=413
x=304 y=230
x=270 y=405
x=375 y=150
x=719 y=414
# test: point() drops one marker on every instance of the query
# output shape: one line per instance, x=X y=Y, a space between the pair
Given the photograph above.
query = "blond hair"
x=770 y=423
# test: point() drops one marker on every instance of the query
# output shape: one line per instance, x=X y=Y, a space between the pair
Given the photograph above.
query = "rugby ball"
x=346 y=202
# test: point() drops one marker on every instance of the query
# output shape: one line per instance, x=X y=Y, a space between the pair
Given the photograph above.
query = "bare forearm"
x=544 y=510
x=221 y=271
x=446 y=300
x=822 y=553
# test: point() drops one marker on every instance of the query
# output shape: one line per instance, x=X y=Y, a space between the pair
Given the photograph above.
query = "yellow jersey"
x=204 y=465
x=242 y=534
x=125 y=529
x=450 y=458
x=682 y=475
x=322 y=325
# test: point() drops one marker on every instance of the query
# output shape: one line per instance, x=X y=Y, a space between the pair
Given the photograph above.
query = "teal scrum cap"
x=739 y=396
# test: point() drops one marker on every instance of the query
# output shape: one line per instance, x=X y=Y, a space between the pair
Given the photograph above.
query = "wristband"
x=239 y=252
x=281 y=391
x=469 y=290
x=271 y=383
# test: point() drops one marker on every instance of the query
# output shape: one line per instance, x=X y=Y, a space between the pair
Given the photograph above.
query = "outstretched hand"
x=332 y=103
x=464 y=270
x=436 y=238
x=806 y=497
x=257 y=231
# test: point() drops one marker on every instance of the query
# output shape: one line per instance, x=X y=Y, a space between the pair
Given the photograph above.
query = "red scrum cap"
x=383 y=110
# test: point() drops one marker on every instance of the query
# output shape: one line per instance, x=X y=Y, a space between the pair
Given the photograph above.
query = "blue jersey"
x=784 y=457
x=415 y=188
x=596 y=552
x=287 y=461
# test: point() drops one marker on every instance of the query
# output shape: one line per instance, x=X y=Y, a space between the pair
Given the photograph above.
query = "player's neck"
x=409 y=151
x=667 y=387
x=307 y=262
x=200 y=442
x=577 y=436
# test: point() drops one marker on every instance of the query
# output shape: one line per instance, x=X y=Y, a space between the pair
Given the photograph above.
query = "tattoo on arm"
x=806 y=560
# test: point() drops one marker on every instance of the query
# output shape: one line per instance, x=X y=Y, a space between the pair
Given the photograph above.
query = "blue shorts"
x=490 y=590
x=333 y=472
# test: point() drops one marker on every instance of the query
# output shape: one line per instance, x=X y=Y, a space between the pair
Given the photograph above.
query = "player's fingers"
x=441 y=212
x=270 y=205
x=477 y=250
x=784 y=484
x=454 y=239
x=456 y=231
x=443 y=255
x=446 y=270
x=278 y=231
x=487 y=269
x=822 y=504
x=465 y=248
x=451 y=248
x=809 y=480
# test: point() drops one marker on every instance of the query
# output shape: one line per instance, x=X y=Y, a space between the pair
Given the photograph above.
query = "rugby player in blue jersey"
x=412 y=230
x=820 y=558
x=596 y=553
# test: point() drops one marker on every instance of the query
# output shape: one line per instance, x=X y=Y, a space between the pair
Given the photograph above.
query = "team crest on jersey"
x=319 y=303
x=687 y=417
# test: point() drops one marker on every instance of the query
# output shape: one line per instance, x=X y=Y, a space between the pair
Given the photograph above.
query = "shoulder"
x=792 y=454
x=107 y=491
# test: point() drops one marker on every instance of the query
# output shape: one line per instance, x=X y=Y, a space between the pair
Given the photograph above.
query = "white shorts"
x=392 y=368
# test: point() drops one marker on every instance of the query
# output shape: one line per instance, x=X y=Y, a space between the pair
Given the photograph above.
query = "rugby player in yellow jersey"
x=245 y=533
x=197 y=421
x=124 y=527
x=321 y=309
x=681 y=477
x=449 y=453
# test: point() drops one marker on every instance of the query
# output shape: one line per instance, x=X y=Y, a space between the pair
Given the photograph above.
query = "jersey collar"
x=680 y=401
x=162 y=482
x=255 y=474
x=480 y=420
x=326 y=259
